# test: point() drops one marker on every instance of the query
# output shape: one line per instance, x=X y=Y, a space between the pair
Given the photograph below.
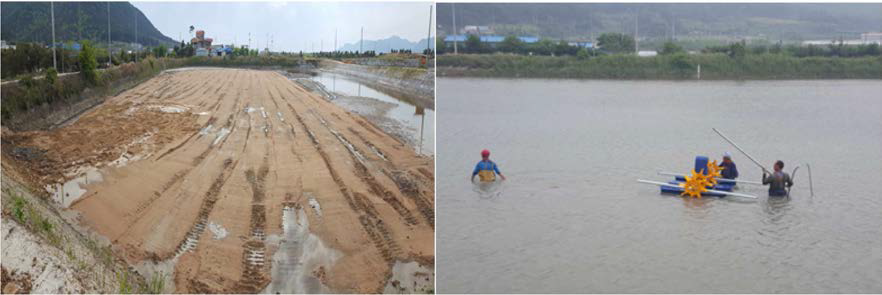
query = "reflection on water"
x=419 y=122
x=573 y=219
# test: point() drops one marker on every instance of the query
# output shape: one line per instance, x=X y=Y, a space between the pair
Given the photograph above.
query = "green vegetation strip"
x=714 y=66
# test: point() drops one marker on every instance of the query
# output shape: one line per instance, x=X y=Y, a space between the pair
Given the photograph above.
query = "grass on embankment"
x=675 y=67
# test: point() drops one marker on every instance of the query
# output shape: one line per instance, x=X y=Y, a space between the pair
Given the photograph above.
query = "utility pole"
x=335 y=39
x=322 y=45
x=429 y=36
x=361 y=44
x=455 y=33
x=137 y=45
x=636 y=25
x=52 y=13
x=109 y=52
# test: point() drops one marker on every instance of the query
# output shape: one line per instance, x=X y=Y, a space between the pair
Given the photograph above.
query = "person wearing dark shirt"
x=730 y=171
x=778 y=181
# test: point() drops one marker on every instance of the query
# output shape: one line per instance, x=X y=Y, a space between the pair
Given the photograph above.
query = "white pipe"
x=811 y=188
x=710 y=190
x=735 y=180
x=740 y=150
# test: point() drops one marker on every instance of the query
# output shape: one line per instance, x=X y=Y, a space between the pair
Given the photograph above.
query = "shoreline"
x=677 y=67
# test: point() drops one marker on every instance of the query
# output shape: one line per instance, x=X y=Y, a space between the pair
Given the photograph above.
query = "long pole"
x=138 y=47
x=109 y=53
x=636 y=30
x=335 y=39
x=811 y=186
x=739 y=149
x=52 y=12
x=455 y=33
x=361 y=44
x=429 y=36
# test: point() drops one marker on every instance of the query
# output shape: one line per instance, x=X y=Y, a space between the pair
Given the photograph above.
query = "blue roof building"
x=488 y=38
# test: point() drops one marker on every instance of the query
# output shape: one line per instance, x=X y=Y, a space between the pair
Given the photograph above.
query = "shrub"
x=88 y=63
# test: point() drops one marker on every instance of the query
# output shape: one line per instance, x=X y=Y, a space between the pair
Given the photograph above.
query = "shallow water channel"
x=572 y=218
x=416 y=123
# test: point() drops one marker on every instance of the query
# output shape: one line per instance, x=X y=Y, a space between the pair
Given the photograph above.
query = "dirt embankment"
x=200 y=166
x=414 y=84
x=44 y=253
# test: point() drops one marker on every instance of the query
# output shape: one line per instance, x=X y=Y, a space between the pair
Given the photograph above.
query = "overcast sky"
x=294 y=26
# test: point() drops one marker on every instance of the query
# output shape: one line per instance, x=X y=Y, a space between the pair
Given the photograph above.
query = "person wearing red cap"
x=486 y=169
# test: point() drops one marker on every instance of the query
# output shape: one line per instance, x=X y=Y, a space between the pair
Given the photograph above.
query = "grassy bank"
x=714 y=66
x=252 y=61
x=31 y=99
x=32 y=94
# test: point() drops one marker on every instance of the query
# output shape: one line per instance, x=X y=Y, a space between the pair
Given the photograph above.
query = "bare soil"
x=234 y=147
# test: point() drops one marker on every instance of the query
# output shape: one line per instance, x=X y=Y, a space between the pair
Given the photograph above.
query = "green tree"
x=88 y=63
x=440 y=46
x=544 y=47
x=583 y=53
x=511 y=44
x=473 y=44
x=51 y=76
x=670 y=48
x=616 y=42
x=160 y=51
x=737 y=50
x=564 y=48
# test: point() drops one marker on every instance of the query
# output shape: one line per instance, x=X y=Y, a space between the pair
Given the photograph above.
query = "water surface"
x=418 y=122
x=572 y=218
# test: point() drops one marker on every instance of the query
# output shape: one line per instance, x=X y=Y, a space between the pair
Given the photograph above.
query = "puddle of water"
x=281 y=118
x=68 y=192
x=219 y=231
x=206 y=130
x=220 y=135
x=418 y=122
x=315 y=205
x=300 y=258
x=410 y=278
x=171 y=109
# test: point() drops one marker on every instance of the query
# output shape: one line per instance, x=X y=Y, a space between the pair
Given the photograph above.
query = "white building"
x=872 y=37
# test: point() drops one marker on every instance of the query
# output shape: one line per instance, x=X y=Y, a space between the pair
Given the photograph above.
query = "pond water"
x=418 y=123
x=572 y=218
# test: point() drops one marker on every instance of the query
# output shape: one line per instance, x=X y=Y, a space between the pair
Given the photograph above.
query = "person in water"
x=486 y=170
x=729 y=169
x=778 y=181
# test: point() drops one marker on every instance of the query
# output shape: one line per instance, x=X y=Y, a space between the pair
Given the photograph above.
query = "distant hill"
x=772 y=21
x=386 y=45
x=30 y=22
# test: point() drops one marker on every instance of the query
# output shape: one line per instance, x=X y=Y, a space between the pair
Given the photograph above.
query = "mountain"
x=773 y=21
x=386 y=45
x=31 y=22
